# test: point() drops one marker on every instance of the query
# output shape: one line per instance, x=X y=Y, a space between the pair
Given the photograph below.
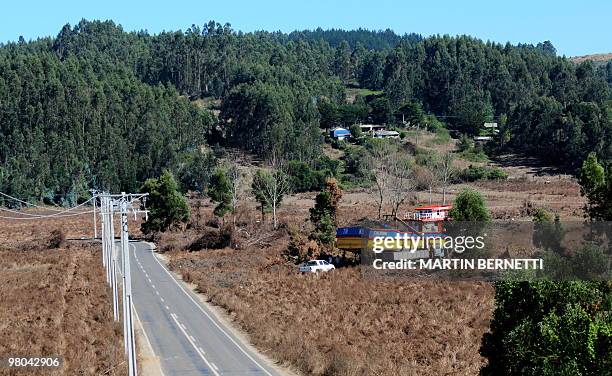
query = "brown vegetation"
x=340 y=323
x=344 y=323
x=603 y=57
x=55 y=301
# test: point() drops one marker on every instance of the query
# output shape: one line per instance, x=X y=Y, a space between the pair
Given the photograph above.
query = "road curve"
x=184 y=334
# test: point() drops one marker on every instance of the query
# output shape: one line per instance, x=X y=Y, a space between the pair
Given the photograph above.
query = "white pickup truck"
x=314 y=266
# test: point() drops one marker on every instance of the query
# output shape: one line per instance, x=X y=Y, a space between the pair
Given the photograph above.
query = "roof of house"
x=338 y=128
x=338 y=131
x=387 y=133
x=434 y=207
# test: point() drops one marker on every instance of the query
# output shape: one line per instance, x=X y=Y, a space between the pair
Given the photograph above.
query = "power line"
x=59 y=214
x=27 y=203
x=50 y=216
x=108 y=202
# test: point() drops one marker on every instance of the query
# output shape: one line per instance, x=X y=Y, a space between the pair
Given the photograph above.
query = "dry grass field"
x=343 y=323
x=55 y=301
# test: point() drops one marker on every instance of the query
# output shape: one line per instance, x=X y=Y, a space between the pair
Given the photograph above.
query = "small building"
x=491 y=128
x=371 y=128
x=422 y=227
x=340 y=133
x=386 y=134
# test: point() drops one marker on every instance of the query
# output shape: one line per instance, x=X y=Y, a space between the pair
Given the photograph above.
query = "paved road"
x=183 y=333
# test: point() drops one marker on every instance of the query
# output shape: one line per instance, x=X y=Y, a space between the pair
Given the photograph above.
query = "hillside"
x=99 y=107
x=597 y=58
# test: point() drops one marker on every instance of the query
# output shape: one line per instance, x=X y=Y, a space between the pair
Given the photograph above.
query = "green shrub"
x=464 y=144
x=497 y=174
x=424 y=157
x=469 y=205
x=304 y=178
x=550 y=328
x=167 y=206
x=442 y=136
x=220 y=192
x=474 y=156
x=356 y=171
x=475 y=173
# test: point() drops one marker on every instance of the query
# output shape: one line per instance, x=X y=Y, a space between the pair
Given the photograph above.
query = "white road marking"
x=209 y=316
x=214 y=366
x=167 y=308
x=152 y=285
x=214 y=369
x=144 y=332
x=162 y=299
x=157 y=292
x=202 y=351
x=147 y=338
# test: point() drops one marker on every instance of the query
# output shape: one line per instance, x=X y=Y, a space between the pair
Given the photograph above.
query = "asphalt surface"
x=184 y=334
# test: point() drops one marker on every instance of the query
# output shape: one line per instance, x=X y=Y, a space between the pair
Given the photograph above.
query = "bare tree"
x=270 y=187
x=445 y=172
x=428 y=177
x=401 y=180
x=393 y=176
x=235 y=178
x=381 y=175
x=379 y=162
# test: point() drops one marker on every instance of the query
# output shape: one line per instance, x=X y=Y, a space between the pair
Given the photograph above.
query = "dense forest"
x=100 y=107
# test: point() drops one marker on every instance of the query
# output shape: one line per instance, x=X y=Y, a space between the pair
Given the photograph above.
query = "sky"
x=574 y=27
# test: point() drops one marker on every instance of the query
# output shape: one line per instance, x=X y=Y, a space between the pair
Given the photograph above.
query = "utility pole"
x=110 y=244
x=105 y=225
x=94 y=220
x=94 y=193
x=114 y=269
x=127 y=288
x=123 y=202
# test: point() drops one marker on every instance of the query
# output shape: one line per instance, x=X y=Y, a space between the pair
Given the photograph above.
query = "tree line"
x=98 y=106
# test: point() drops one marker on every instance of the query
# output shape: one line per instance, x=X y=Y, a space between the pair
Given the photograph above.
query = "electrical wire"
x=31 y=214
x=52 y=217
x=27 y=203
x=58 y=214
